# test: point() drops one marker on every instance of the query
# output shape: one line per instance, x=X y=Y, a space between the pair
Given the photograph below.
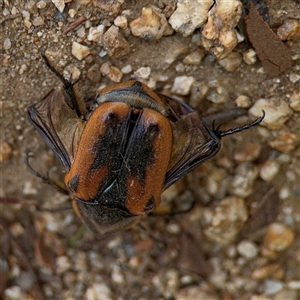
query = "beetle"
x=124 y=150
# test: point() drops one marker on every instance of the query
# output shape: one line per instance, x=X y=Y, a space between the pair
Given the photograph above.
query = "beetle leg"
x=220 y=133
x=72 y=94
x=55 y=209
x=45 y=179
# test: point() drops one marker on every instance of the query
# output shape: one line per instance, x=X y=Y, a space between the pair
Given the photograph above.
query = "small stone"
x=17 y=229
x=219 y=35
x=80 y=51
x=13 y=292
x=294 y=284
x=73 y=71
x=26 y=15
x=222 y=223
x=242 y=182
x=152 y=24
x=59 y=4
x=142 y=73
x=218 y=95
x=31 y=6
x=113 y=42
x=295 y=101
x=232 y=62
x=194 y=58
x=5 y=151
x=14 y=11
x=180 y=68
x=112 y=73
x=182 y=85
x=189 y=15
x=265 y=271
x=121 y=21
x=249 y=57
x=29 y=189
x=293 y=77
x=260 y=297
x=198 y=92
x=63 y=264
x=284 y=141
x=284 y=193
x=286 y=295
x=271 y=287
x=41 y=4
x=248 y=151
x=27 y=23
x=278 y=237
x=98 y=291
x=126 y=69
x=290 y=30
x=196 y=292
x=23 y=69
x=72 y=13
x=7 y=44
x=277 y=112
x=176 y=49
x=94 y=74
x=38 y=21
x=96 y=34
x=268 y=170
x=172 y=284
x=110 y=7
x=247 y=249
x=80 y=32
x=117 y=275
x=243 y=101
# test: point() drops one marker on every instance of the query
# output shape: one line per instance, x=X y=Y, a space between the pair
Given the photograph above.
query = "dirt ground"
x=240 y=241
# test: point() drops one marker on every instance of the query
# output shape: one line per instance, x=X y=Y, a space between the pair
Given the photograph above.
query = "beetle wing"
x=193 y=141
x=58 y=124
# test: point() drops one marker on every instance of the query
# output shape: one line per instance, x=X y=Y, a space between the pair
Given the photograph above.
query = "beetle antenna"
x=219 y=133
x=68 y=85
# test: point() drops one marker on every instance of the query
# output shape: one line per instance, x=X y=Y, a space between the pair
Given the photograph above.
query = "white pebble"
x=271 y=287
x=294 y=284
x=29 y=189
x=268 y=170
x=190 y=15
x=80 y=51
x=243 y=101
x=142 y=73
x=247 y=249
x=72 y=12
x=63 y=264
x=295 y=101
x=126 y=69
x=121 y=21
x=13 y=292
x=96 y=33
x=7 y=44
x=41 y=4
x=182 y=85
x=249 y=57
x=98 y=291
x=277 y=112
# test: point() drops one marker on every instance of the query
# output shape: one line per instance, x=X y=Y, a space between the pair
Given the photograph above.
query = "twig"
x=9 y=17
x=74 y=24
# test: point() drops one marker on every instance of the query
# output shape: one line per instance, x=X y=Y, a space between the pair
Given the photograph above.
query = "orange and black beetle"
x=120 y=154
